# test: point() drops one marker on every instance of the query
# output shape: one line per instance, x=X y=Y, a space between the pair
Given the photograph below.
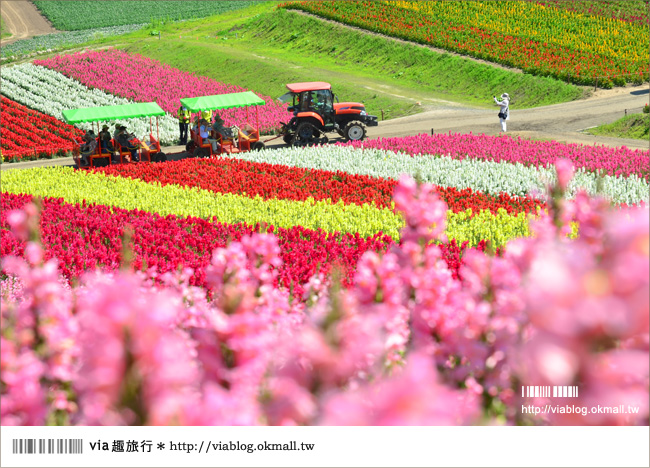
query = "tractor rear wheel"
x=306 y=134
x=354 y=131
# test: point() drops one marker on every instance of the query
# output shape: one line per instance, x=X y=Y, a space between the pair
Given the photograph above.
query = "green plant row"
x=90 y=14
x=94 y=188
x=58 y=40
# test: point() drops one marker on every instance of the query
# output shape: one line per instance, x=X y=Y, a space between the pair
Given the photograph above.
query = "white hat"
x=505 y=95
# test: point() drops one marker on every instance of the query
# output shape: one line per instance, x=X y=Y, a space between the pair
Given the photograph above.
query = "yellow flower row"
x=595 y=34
x=96 y=188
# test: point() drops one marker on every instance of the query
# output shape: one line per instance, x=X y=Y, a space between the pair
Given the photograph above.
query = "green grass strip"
x=631 y=126
x=94 y=188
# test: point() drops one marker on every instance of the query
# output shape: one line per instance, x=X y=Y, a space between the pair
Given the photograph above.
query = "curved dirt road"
x=562 y=122
x=23 y=19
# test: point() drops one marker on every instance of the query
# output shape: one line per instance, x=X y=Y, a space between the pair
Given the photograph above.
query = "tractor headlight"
x=363 y=113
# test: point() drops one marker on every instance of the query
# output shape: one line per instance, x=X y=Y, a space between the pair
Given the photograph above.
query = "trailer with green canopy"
x=104 y=113
x=248 y=136
x=121 y=111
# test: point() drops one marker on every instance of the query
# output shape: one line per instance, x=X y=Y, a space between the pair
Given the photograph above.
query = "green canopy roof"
x=124 y=111
x=222 y=101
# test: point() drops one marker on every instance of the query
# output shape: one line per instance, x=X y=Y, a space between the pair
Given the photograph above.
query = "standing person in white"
x=504 y=113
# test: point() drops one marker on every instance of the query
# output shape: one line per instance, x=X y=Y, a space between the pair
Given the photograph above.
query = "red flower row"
x=90 y=237
x=26 y=132
x=294 y=183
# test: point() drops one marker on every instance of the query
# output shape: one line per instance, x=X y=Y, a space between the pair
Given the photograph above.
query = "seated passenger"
x=205 y=135
x=225 y=132
x=117 y=131
x=125 y=140
x=195 y=127
x=105 y=139
x=88 y=148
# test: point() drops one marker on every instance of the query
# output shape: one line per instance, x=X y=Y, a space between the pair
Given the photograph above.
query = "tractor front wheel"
x=354 y=131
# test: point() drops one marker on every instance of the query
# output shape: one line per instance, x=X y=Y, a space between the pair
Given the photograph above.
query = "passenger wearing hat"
x=218 y=126
x=124 y=140
x=105 y=140
x=183 y=124
x=117 y=131
x=504 y=113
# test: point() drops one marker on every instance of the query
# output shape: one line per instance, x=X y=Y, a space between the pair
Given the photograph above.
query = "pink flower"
x=564 y=168
x=414 y=397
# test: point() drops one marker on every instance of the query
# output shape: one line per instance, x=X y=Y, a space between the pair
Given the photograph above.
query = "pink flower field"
x=145 y=80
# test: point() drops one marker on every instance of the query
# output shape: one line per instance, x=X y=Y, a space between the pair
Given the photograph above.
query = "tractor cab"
x=315 y=112
x=320 y=101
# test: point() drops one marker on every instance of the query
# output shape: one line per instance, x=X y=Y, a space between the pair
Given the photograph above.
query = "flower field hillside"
x=114 y=77
x=632 y=11
x=536 y=37
x=141 y=79
x=51 y=93
x=49 y=42
x=334 y=197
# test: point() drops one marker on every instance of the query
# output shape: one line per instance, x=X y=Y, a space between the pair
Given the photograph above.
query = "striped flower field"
x=257 y=276
x=340 y=195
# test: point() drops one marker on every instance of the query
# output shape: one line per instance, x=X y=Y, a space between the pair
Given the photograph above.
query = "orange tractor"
x=316 y=113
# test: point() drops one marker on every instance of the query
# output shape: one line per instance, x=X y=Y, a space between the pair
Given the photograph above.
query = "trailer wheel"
x=354 y=131
x=258 y=146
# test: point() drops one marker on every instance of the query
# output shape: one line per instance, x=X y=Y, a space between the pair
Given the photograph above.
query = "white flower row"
x=477 y=174
x=51 y=92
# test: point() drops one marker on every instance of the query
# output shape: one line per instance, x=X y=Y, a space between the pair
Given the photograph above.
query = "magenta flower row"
x=620 y=161
x=142 y=79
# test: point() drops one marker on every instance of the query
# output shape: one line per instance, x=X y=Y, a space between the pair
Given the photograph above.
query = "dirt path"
x=564 y=122
x=23 y=20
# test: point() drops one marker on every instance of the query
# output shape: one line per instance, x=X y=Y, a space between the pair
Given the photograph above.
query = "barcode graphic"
x=556 y=391
x=71 y=446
